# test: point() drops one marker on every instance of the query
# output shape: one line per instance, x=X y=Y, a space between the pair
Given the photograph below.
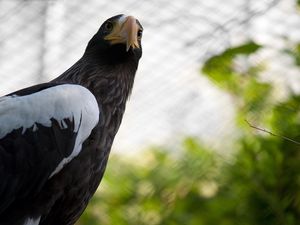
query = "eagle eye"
x=108 y=26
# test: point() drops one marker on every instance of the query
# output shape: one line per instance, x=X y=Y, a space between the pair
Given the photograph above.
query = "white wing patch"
x=31 y=221
x=58 y=102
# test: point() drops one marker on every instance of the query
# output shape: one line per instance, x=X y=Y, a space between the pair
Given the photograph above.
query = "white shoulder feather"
x=58 y=102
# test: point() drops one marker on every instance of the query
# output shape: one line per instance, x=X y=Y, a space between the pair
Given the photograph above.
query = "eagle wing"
x=41 y=129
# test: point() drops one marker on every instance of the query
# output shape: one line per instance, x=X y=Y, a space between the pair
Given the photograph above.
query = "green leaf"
x=220 y=68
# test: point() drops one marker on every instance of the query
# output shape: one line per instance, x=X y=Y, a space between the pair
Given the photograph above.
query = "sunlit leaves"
x=155 y=189
x=220 y=68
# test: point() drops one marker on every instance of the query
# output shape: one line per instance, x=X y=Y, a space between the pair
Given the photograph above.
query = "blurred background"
x=186 y=152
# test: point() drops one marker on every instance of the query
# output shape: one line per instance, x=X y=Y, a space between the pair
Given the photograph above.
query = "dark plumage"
x=55 y=138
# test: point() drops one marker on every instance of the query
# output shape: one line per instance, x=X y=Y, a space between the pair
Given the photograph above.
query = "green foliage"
x=154 y=189
x=258 y=185
x=220 y=67
x=252 y=95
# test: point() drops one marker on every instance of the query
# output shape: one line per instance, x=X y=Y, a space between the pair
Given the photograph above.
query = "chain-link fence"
x=40 y=39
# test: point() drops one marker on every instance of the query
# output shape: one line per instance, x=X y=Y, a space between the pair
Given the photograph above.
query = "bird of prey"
x=55 y=137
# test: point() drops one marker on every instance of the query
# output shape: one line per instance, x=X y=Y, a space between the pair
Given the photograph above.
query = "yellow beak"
x=125 y=31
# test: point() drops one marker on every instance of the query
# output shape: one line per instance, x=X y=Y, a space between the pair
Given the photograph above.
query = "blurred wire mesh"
x=40 y=39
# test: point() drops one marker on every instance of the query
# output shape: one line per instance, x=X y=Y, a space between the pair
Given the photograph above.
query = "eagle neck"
x=110 y=84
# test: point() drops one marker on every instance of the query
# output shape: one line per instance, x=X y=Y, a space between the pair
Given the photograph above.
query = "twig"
x=269 y=132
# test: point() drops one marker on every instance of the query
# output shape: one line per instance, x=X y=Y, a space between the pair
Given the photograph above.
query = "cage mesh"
x=41 y=39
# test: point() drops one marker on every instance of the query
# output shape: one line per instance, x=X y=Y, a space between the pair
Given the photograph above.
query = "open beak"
x=125 y=31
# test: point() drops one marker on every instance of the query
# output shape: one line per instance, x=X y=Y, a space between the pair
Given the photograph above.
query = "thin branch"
x=269 y=132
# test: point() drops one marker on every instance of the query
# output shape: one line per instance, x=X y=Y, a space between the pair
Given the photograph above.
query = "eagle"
x=55 y=137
